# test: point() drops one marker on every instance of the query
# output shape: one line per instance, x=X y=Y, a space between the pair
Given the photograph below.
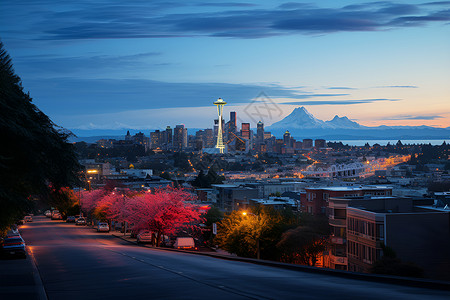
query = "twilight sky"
x=92 y=64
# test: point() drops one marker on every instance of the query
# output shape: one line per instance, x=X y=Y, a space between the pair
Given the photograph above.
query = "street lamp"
x=258 y=252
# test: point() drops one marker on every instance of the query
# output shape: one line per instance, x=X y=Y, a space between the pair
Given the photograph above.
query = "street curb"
x=37 y=276
x=422 y=283
x=123 y=238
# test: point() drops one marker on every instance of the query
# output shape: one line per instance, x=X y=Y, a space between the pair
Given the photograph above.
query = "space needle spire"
x=220 y=103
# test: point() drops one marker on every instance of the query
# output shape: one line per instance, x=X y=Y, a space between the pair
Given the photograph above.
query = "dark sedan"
x=14 y=245
x=80 y=221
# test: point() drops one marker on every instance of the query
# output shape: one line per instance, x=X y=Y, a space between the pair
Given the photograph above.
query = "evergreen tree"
x=35 y=151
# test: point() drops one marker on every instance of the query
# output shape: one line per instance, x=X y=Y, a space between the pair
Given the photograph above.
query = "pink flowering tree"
x=113 y=206
x=90 y=199
x=163 y=212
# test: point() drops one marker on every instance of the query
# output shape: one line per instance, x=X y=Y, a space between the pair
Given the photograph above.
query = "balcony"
x=337 y=240
x=338 y=222
x=340 y=260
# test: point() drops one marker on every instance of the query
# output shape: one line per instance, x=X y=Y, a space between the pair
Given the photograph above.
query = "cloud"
x=338 y=102
x=58 y=64
x=74 y=95
x=411 y=117
x=226 y=4
x=340 y=88
x=398 y=86
x=439 y=3
x=309 y=95
x=153 y=19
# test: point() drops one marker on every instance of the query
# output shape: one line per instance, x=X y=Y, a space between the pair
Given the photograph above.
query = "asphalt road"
x=79 y=263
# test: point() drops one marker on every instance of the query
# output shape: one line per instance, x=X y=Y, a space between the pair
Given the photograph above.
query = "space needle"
x=220 y=103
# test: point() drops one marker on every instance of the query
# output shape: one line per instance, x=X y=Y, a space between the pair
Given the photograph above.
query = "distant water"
x=392 y=142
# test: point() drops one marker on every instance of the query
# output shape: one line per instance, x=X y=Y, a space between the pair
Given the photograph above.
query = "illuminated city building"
x=220 y=103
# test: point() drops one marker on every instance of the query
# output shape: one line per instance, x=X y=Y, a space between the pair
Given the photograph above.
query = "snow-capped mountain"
x=342 y=122
x=301 y=123
x=300 y=118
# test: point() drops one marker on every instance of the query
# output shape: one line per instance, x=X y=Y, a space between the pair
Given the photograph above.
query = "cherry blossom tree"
x=90 y=199
x=163 y=212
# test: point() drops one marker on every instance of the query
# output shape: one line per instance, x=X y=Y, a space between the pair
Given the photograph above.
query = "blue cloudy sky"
x=94 y=65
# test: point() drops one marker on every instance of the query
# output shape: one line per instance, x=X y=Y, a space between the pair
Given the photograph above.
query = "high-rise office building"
x=233 y=121
x=287 y=139
x=245 y=130
x=141 y=139
x=209 y=138
x=231 y=127
x=168 y=137
x=320 y=143
x=180 y=137
x=260 y=132
x=155 y=139
x=307 y=143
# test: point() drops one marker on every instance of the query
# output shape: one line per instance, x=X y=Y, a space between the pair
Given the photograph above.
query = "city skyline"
x=136 y=65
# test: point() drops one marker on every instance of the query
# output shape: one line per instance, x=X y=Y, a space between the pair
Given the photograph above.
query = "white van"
x=184 y=243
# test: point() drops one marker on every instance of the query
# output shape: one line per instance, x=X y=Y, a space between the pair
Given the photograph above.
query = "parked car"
x=20 y=222
x=184 y=243
x=144 y=236
x=56 y=215
x=14 y=245
x=103 y=227
x=28 y=219
x=48 y=213
x=70 y=219
x=80 y=221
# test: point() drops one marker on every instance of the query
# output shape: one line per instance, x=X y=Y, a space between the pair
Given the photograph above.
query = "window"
x=380 y=231
x=326 y=196
x=310 y=209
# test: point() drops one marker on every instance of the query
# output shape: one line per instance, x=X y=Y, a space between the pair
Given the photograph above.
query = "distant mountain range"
x=300 y=118
x=302 y=124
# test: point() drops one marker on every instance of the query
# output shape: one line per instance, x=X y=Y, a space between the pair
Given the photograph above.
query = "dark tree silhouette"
x=34 y=151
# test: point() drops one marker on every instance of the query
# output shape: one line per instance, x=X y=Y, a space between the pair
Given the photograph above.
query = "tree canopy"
x=240 y=234
x=163 y=212
x=35 y=151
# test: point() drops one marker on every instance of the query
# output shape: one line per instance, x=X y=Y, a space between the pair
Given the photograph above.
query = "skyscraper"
x=260 y=132
x=168 y=137
x=233 y=121
x=155 y=139
x=232 y=126
x=179 y=138
x=287 y=139
x=245 y=130
x=209 y=138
